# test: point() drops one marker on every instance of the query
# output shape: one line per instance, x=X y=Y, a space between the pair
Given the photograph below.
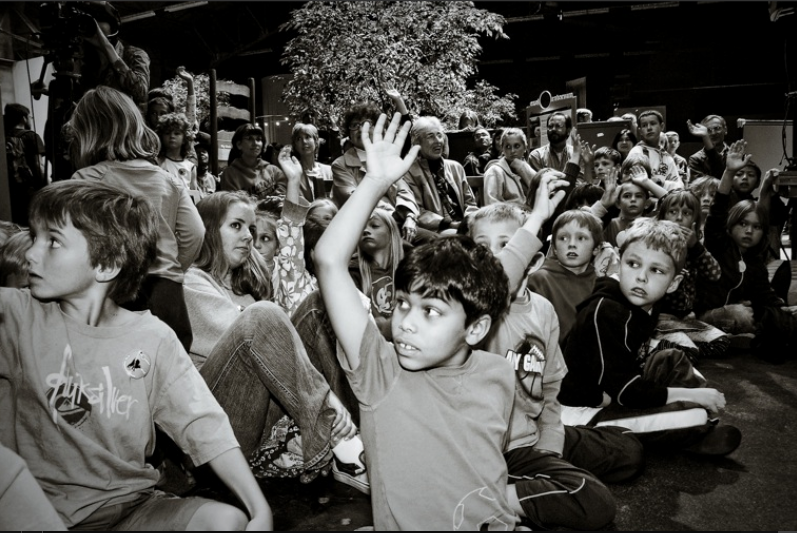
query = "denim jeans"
x=258 y=371
x=312 y=324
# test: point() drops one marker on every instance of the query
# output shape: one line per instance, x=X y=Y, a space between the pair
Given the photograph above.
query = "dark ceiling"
x=726 y=55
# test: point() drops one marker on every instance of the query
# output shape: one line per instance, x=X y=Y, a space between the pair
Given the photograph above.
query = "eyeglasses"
x=717 y=129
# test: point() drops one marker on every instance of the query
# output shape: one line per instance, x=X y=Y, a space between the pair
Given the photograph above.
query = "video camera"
x=64 y=25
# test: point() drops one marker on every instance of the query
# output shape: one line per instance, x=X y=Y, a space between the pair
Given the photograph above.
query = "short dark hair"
x=365 y=111
x=312 y=232
x=14 y=114
x=609 y=153
x=568 y=120
x=121 y=228
x=456 y=268
x=651 y=112
x=583 y=194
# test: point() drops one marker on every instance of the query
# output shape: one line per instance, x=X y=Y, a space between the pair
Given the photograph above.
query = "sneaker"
x=351 y=474
x=719 y=440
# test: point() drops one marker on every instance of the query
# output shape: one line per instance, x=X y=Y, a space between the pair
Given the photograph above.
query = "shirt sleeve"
x=378 y=371
x=290 y=279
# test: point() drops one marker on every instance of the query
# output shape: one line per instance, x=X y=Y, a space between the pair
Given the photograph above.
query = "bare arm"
x=339 y=241
x=233 y=470
x=735 y=160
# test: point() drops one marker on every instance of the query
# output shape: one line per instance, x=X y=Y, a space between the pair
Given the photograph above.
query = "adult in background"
x=306 y=143
x=709 y=160
x=24 y=149
x=477 y=159
x=557 y=152
x=247 y=171
x=439 y=185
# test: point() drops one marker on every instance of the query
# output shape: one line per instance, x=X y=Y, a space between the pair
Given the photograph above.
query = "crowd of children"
x=469 y=364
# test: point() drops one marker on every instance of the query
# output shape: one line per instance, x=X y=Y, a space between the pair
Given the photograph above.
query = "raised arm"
x=640 y=177
x=735 y=160
x=339 y=241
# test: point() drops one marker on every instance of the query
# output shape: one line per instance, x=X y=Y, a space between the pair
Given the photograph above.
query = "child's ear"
x=676 y=281
x=478 y=330
x=106 y=274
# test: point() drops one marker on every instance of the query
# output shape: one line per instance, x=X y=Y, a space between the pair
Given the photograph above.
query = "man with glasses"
x=709 y=160
x=349 y=169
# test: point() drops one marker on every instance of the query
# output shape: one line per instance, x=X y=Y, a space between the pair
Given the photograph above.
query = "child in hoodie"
x=657 y=394
x=567 y=277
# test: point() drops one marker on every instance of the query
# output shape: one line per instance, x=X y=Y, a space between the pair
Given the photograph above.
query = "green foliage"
x=176 y=86
x=346 y=51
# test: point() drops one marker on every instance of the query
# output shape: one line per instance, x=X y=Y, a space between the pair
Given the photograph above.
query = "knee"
x=217 y=516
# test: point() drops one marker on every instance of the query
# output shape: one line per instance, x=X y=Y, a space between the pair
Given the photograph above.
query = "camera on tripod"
x=64 y=25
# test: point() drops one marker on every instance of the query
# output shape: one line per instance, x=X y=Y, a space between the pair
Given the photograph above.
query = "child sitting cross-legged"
x=432 y=407
x=89 y=392
x=657 y=394
x=554 y=468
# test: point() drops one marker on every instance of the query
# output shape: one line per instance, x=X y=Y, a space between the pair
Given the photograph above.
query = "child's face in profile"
x=602 y=166
x=748 y=232
x=513 y=148
x=375 y=237
x=59 y=263
x=646 y=275
x=494 y=234
x=631 y=201
x=682 y=215
x=745 y=181
x=266 y=238
x=428 y=332
x=574 y=247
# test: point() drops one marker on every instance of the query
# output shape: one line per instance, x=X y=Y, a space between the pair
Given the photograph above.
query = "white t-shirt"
x=80 y=403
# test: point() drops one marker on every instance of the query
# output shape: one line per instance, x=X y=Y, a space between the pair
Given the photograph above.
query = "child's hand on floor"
x=383 y=154
x=712 y=399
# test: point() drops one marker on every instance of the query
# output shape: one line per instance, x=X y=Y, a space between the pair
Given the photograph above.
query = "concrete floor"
x=753 y=489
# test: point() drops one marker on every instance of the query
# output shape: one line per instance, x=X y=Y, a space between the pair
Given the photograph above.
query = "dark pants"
x=164 y=299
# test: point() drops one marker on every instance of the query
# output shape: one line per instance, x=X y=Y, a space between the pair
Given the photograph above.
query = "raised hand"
x=185 y=75
x=550 y=192
x=698 y=130
x=383 y=154
x=638 y=175
x=735 y=158
x=610 y=189
x=289 y=164
x=391 y=91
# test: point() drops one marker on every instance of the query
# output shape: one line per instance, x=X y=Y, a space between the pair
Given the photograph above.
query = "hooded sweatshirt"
x=605 y=352
x=564 y=289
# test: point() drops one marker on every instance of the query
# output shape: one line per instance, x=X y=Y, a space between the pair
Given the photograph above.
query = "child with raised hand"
x=656 y=394
x=177 y=140
x=92 y=246
x=421 y=396
x=742 y=300
x=542 y=452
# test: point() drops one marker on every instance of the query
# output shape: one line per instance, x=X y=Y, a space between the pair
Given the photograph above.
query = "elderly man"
x=709 y=160
x=440 y=186
x=476 y=160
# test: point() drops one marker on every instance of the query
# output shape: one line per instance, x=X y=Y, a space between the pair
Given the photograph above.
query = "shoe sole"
x=350 y=481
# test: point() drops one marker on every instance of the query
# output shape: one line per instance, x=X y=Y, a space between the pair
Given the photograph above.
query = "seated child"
x=604 y=160
x=13 y=265
x=697 y=338
x=742 y=299
x=427 y=394
x=567 y=277
x=635 y=190
x=704 y=187
x=583 y=195
x=658 y=395
x=89 y=393
x=542 y=452
x=177 y=139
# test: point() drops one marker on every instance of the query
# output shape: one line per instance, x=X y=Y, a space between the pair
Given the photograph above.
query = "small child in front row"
x=545 y=457
x=432 y=408
x=91 y=379
x=657 y=395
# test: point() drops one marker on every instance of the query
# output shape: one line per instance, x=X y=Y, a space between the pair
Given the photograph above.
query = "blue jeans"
x=259 y=371
x=312 y=324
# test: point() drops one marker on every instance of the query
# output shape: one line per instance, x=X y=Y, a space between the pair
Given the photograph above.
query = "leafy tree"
x=176 y=86
x=346 y=52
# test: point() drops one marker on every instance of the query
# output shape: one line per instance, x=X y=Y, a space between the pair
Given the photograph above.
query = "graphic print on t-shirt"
x=382 y=295
x=75 y=399
x=529 y=364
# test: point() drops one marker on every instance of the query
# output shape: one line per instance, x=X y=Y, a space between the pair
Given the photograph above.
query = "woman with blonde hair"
x=305 y=142
x=111 y=143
